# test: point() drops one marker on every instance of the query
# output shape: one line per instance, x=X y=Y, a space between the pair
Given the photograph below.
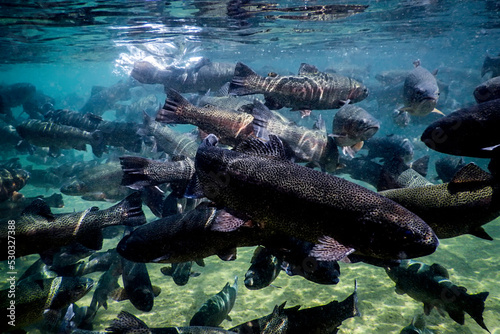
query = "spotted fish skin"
x=310 y=89
x=432 y=286
x=38 y=230
x=420 y=91
x=34 y=296
x=459 y=207
x=11 y=180
x=53 y=135
x=230 y=125
x=278 y=195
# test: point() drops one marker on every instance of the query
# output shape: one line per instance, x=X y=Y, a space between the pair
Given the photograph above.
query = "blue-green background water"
x=65 y=48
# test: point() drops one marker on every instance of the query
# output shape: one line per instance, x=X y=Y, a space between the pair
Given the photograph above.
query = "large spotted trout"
x=257 y=184
x=310 y=89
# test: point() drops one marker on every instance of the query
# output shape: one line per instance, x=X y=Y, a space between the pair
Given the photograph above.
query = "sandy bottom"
x=472 y=263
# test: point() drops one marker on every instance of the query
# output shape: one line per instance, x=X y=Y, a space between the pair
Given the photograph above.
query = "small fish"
x=231 y=125
x=353 y=125
x=457 y=133
x=56 y=136
x=417 y=326
x=432 y=286
x=102 y=179
x=347 y=217
x=127 y=323
x=38 y=298
x=264 y=269
x=104 y=98
x=420 y=92
x=14 y=95
x=327 y=318
x=488 y=90
x=310 y=89
x=200 y=77
x=39 y=230
x=12 y=180
x=491 y=64
x=216 y=308
x=461 y=206
x=180 y=272
x=390 y=148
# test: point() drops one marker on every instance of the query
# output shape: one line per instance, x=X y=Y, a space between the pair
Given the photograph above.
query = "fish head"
x=67 y=290
x=393 y=232
x=74 y=188
x=358 y=92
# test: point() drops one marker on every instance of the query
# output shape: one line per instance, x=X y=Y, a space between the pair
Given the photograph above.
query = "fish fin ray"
x=329 y=249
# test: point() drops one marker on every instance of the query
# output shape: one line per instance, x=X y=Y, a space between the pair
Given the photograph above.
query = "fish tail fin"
x=172 y=110
x=475 y=307
x=98 y=143
x=127 y=323
x=132 y=210
x=134 y=175
x=242 y=76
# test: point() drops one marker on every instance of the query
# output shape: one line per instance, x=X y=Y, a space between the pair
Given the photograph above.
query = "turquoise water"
x=66 y=48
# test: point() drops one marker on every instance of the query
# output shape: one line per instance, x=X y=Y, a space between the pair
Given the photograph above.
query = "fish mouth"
x=210 y=141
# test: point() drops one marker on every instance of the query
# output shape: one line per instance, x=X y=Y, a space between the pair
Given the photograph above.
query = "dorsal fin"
x=40 y=208
x=439 y=270
x=306 y=69
x=272 y=148
x=470 y=173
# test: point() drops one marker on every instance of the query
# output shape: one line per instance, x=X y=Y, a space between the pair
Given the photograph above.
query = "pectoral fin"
x=329 y=249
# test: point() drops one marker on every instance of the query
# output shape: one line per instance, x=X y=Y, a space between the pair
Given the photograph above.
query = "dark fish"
x=100 y=261
x=170 y=141
x=104 y=98
x=353 y=125
x=347 y=217
x=12 y=180
x=15 y=95
x=102 y=179
x=216 y=308
x=141 y=172
x=311 y=89
x=180 y=272
x=264 y=269
x=44 y=178
x=39 y=298
x=127 y=323
x=457 y=133
x=432 y=286
x=186 y=237
x=137 y=286
x=461 y=206
x=108 y=282
x=9 y=135
x=420 y=92
x=38 y=230
x=417 y=326
x=277 y=322
x=391 y=147
x=38 y=105
x=491 y=65
x=203 y=76
x=296 y=260
x=327 y=318
x=56 y=136
x=488 y=90
x=230 y=125
x=447 y=167
x=88 y=122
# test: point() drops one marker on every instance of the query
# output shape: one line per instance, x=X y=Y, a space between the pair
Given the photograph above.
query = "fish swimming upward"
x=310 y=89
x=420 y=92
x=255 y=182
